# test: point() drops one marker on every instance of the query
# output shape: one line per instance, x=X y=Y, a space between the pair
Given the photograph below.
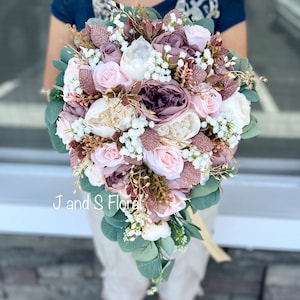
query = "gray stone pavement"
x=57 y=268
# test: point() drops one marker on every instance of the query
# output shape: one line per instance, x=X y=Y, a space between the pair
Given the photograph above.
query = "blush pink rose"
x=176 y=203
x=165 y=161
x=208 y=102
x=107 y=156
x=197 y=36
x=109 y=75
x=64 y=123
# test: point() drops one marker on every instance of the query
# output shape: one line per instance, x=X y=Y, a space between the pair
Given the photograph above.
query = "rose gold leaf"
x=86 y=81
x=190 y=175
x=199 y=75
x=150 y=139
x=99 y=34
x=74 y=159
x=202 y=142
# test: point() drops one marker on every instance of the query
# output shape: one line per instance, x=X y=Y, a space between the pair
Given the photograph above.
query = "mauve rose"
x=224 y=155
x=109 y=75
x=207 y=102
x=107 y=156
x=74 y=108
x=176 y=39
x=64 y=122
x=175 y=204
x=165 y=161
x=111 y=52
x=116 y=178
x=162 y=102
x=197 y=36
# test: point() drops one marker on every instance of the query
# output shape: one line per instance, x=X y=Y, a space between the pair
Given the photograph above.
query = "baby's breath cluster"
x=158 y=68
x=224 y=127
x=204 y=59
x=171 y=25
x=200 y=160
x=117 y=34
x=131 y=138
x=93 y=56
x=79 y=129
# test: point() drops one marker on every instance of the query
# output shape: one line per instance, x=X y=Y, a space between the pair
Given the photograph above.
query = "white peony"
x=153 y=232
x=105 y=117
x=134 y=58
x=181 y=128
x=239 y=108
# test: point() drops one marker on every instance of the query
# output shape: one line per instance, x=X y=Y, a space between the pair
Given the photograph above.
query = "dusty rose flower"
x=109 y=75
x=111 y=52
x=163 y=101
x=74 y=108
x=107 y=156
x=176 y=40
x=197 y=36
x=116 y=178
x=64 y=123
x=207 y=102
x=165 y=161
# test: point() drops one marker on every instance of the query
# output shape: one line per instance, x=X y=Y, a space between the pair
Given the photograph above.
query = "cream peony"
x=134 y=58
x=153 y=232
x=105 y=117
x=94 y=174
x=181 y=128
x=239 y=108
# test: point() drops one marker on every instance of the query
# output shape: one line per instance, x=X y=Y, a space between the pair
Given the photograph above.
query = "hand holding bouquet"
x=151 y=111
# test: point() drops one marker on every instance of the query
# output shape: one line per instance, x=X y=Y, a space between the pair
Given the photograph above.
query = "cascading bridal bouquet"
x=151 y=111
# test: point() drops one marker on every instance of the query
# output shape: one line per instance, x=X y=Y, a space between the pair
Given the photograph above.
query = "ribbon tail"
x=217 y=253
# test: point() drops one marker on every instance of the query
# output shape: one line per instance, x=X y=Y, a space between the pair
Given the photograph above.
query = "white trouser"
x=122 y=280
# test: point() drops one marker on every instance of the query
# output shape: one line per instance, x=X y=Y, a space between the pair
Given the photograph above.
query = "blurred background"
x=260 y=208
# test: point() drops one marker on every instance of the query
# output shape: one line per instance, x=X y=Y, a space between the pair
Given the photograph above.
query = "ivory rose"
x=207 y=102
x=197 y=36
x=239 y=108
x=165 y=161
x=107 y=156
x=103 y=117
x=181 y=128
x=153 y=232
x=134 y=58
x=94 y=174
x=109 y=75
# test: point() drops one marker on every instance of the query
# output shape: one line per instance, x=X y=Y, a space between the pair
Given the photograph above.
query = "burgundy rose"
x=111 y=52
x=161 y=102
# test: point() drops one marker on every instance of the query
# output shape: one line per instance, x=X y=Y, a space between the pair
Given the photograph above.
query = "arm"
x=236 y=38
x=59 y=36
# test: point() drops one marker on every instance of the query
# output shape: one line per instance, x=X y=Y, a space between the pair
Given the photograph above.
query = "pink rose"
x=165 y=161
x=175 y=204
x=107 y=156
x=109 y=75
x=197 y=36
x=208 y=102
x=64 y=122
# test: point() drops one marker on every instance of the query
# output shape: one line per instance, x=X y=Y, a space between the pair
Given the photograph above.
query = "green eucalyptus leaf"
x=168 y=245
x=52 y=111
x=118 y=220
x=193 y=230
x=251 y=95
x=207 y=23
x=146 y=252
x=109 y=231
x=60 y=65
x=251 y=130
x=59 y=81
x=167 y=269
x=202 y=190
x=150 y=269
x=206 y=201
x=92 y=21
x=87 y=187
x=66 y=53
x=129 y=246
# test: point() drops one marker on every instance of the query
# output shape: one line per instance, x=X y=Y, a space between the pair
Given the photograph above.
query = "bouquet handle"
x=218 y=254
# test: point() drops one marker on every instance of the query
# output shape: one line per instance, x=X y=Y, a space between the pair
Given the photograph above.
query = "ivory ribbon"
x=218 y=254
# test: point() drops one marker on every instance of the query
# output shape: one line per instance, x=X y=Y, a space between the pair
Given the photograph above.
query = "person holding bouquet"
x=121 y=279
